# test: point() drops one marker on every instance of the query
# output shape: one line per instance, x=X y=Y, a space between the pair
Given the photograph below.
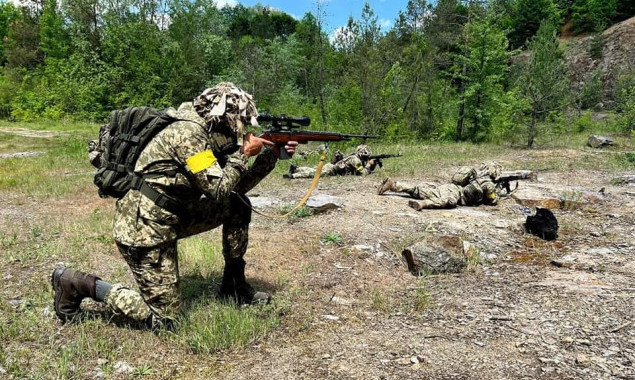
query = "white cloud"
x=25 y=3
x=384 y=23
x=335 y=34
x=223 y=3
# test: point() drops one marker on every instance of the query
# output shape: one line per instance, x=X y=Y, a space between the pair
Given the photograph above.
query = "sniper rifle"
x=283 y=129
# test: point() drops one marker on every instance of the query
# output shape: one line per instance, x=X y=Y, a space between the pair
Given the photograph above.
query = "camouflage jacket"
x=477 y=186
x=352 y=164
x=184 y=161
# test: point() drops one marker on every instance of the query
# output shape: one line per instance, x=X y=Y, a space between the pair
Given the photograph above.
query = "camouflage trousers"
x=435 y=196
x=156 y=269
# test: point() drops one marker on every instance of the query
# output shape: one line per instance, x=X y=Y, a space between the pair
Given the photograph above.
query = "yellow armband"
x=200 y=161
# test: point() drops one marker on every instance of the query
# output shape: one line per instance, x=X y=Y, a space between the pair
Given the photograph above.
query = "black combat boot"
x=235 y=285
x=227 y=284
x=70 y=288
x=292 y=169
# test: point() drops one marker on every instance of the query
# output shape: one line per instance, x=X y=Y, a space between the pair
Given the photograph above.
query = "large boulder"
x=445 y=254
x=596 y=141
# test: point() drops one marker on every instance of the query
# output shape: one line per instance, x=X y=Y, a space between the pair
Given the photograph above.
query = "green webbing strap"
x=160 y=199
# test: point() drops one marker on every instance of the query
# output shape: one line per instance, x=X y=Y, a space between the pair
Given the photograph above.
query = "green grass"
x=332 y=238
x=380 y=301
x=211 y=325
x=62 y=169
x=33 y=344
x=421 y=296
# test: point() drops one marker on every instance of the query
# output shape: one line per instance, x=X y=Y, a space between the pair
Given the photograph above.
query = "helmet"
x=363 y=151
x=490 y=195
x=226 y=102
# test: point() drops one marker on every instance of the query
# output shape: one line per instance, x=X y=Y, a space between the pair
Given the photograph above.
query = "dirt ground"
x=534 y=309
x=531 y=309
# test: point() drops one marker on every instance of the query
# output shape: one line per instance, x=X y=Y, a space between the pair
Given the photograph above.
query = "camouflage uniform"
x=356 y=164
x=188 y=163
x=469 y=187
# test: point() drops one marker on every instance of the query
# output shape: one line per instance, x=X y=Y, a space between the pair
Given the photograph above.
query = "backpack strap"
x=159 y=199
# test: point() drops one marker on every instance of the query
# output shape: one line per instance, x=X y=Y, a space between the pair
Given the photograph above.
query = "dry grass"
x=50 y=214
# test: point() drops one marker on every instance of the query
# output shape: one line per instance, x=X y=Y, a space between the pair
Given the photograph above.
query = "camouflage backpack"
x=120 y=143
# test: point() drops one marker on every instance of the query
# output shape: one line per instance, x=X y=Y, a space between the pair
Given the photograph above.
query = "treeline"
x=444 y=70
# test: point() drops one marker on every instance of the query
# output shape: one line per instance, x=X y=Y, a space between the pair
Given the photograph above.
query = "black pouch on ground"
x=542 y=224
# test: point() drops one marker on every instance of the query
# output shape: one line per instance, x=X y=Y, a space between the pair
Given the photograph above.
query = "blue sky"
x=337 y=11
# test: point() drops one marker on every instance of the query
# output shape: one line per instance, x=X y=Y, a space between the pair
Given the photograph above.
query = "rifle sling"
x=314 y=183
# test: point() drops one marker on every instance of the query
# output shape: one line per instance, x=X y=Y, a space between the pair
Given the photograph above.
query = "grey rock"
x=99 y=374
x=581 y=359
x=596 y=141
x=363 y=248
x=323 y=203
x=20 y=154
x=18 y=302
x=600 y=251
x=623 y=180
x=123 y=367
x=436 y=255
x=259 y=202
x=341 y=301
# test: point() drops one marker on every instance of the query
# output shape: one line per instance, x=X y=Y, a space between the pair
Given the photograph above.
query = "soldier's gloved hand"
x=290 y=147
x=252 y=145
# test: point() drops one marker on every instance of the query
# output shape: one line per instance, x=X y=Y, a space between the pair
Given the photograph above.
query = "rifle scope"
x=284 y=120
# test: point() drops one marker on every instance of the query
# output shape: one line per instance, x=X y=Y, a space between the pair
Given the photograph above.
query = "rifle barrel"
x=362 y=136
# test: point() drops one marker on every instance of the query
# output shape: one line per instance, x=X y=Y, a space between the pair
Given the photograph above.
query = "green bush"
x=584 y=123
x=625 y=91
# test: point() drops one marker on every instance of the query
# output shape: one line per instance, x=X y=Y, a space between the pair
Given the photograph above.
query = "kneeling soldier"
x=195 y=177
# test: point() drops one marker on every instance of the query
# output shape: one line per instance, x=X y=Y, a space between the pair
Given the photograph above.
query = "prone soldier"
x=358 y=163
x=469 y=187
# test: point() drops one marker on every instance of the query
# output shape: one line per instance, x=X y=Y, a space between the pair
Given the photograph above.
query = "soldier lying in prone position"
x=192 y=177
x=358 y=163
x=469 y=187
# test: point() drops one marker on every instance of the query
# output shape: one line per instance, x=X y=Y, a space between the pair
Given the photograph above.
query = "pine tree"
x=543 y=81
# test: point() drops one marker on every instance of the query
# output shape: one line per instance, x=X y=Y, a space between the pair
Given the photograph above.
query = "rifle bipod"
x=314 y=183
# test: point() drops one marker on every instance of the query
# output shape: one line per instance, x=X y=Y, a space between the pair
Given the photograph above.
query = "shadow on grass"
x=196 y=290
